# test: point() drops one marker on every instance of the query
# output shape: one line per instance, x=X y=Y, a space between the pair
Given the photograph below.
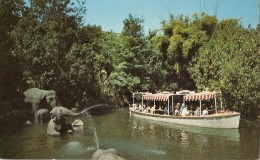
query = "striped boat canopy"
x=158 y=96
x=205 y=95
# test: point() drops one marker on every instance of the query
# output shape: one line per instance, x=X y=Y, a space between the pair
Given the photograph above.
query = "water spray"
x=86 y=109
x=90 y=119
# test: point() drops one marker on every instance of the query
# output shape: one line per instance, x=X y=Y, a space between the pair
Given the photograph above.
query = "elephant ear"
x=33 y=95
x=50 y=95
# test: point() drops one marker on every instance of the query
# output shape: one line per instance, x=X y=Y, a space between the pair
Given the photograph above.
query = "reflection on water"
x=230 y=134
x=135 y=139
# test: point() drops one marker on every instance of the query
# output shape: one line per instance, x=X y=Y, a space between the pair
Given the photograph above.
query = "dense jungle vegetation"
x=46 y=44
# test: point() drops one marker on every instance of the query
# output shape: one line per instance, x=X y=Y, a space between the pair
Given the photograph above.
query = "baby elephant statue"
x=43 y=115
x=57 y=125
x=110 y=154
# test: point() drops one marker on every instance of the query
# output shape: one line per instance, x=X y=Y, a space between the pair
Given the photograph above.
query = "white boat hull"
x=221 y=120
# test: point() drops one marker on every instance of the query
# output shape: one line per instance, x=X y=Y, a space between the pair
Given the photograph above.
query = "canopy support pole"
x=172 y=105
x=215 y=104
x=168 y=106
x=142 y=101
x=133 y=99
x=200 y=107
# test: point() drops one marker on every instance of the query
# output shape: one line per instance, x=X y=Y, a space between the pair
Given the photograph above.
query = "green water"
x=134 y=139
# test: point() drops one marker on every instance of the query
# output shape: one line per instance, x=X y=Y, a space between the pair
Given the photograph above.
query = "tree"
x=80 y=76
x=104 y=64
x=43 y=37
x=180 y=43
x=10 y=74
x=158 y=72
x=129 y=60
x=230 y=62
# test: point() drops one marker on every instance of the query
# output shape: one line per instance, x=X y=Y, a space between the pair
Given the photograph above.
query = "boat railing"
x=152 y=110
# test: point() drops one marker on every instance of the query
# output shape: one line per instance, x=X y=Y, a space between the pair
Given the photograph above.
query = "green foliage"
x=133 y=27
x=43 y=37
x=156 y=69
x=80 y=72
x=230 y=62
x=46 y=45
x=10 y=73
x=180 y=43
x=129 y=60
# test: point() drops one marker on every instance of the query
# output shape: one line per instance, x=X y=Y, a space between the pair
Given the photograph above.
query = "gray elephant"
x=110 y=154
x=57 y=125
x=35 y=95
x=43 y=115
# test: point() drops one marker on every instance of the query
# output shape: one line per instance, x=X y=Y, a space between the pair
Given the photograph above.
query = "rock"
x=77 y=125
x=109 y=154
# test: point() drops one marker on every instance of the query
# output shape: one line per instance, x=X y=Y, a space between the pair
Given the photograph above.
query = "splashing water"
x=90 y=119
x=74 y=149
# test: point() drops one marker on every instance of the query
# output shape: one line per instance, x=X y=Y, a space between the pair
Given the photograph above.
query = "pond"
x=133 y=138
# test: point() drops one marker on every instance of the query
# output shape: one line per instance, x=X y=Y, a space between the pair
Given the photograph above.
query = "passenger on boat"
x=228 y=110
x=205 y=111
x=148 y=109
x=176 y=107
x=177 y=112
x=141 y=108
x=182 y=108
x=185 y=111
x=211 y=109
x=153 y=110
x=135 y=107
x=197 y=111
x=191 y=110
x=165 y=110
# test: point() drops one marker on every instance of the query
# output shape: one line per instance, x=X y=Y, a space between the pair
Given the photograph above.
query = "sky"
x=110 y=14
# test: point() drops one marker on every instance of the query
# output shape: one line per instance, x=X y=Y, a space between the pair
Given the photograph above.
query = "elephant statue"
x=57 y=125
x=43 y=115
x=110 y=154
x=62 y=111
x=35 y=95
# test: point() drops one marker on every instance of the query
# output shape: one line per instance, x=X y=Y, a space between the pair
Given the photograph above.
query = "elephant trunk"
x=73 y=114
x=63 y=111
x=68 y=112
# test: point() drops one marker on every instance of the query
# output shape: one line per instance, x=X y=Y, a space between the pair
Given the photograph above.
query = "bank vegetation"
x=46 y=44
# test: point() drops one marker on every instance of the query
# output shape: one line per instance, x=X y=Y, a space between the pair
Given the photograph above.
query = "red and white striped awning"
x=200 y=96
x=157 y=96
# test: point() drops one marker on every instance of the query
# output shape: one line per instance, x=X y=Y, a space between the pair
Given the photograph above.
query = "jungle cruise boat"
x=185 y=107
